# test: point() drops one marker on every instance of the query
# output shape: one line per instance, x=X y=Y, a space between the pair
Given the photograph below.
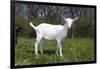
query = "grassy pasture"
x=74 y=50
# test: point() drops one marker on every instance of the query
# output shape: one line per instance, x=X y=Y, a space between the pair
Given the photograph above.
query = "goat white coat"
x=51 y=32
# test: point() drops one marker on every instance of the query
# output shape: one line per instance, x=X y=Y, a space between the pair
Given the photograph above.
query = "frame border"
x=12 y=35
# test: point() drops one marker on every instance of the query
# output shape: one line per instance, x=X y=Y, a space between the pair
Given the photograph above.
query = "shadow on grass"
x=30 y=51
x=49 y=52
x=46 y=52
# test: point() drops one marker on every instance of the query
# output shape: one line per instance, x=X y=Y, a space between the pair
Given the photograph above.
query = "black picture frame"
x=12 y=34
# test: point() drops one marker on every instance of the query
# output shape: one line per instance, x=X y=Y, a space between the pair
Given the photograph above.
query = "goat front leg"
x=59 y=47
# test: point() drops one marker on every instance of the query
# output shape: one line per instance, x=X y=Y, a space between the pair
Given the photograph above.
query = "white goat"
x=51 y=32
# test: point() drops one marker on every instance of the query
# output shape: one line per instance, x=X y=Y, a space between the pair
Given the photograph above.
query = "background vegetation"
x=77 y=47
x=83 y=27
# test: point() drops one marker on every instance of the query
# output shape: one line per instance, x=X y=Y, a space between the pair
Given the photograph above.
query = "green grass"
x=74 y=50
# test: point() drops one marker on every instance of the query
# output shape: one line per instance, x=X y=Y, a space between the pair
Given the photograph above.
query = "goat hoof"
x=36 y=56
x=62 y=57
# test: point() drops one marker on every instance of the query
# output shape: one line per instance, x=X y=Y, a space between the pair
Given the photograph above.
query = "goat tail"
x=32 y=25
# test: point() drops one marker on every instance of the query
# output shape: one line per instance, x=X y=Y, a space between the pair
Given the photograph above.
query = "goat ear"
x=74 y=19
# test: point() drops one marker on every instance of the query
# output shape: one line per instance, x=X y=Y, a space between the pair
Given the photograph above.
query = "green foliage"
x=74 y=50
x=86 y=22
x=24 y=28
x=37 y=21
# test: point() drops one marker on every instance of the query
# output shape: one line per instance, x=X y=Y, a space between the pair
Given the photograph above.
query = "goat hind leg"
x=40 y=46
x=36 y=48
x=38 y=39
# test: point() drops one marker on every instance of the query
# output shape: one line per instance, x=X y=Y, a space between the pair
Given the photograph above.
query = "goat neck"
x=66 y=26
x=64 y=30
